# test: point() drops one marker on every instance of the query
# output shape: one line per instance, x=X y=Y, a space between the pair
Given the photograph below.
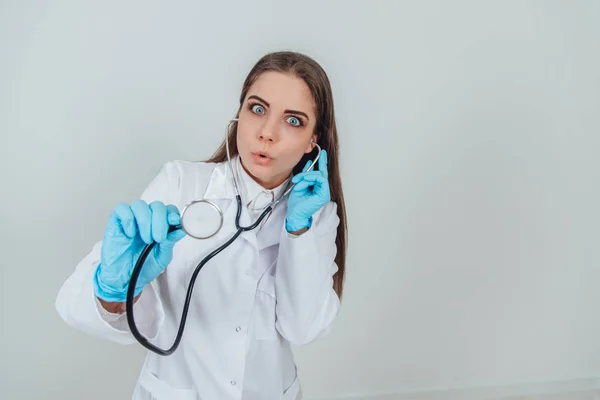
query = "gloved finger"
x=302 y=186
x=173 y=216
x=323 y=164
x=123 y=221
x=159 y=221
x=174 y=237
x=297 y=178
x=143 y=219
x=307 y=166
x=314 y=177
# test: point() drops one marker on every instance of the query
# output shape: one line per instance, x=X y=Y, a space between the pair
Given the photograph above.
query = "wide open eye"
x=258 y=109
x=294 y=121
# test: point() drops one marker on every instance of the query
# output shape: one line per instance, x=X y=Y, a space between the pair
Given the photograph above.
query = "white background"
x=469 y=132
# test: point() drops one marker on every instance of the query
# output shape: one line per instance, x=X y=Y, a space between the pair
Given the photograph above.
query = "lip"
x=264 y=153
x=266 y=160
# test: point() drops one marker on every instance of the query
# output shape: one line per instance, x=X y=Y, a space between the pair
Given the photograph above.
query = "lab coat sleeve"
x=307 y=304
x=79 y=307
x=77 y=303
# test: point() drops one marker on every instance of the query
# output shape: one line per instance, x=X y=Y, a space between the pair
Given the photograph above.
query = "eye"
x=258 y=109
x=294 y=121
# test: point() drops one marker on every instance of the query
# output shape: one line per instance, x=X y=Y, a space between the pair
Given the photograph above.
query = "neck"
x=269 y=185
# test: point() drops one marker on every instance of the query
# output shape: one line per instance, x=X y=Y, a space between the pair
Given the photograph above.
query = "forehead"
x=283 y=91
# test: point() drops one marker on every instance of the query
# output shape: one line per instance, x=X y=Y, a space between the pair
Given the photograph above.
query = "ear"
x=311 y=146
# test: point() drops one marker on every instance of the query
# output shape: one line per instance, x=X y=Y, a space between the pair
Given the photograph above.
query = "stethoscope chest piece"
x=201 y=219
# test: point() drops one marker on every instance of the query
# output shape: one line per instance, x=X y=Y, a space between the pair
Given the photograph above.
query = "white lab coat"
x=266 y=290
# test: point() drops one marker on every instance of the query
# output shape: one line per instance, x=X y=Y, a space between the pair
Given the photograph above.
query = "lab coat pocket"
x=152 y=388
x=264 y=314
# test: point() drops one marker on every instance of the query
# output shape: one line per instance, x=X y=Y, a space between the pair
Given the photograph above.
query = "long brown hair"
x=317 y=81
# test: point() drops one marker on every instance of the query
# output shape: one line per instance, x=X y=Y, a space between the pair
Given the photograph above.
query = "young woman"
x=276 y=285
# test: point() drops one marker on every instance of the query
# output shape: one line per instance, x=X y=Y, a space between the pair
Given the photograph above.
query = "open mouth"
x=261 y=158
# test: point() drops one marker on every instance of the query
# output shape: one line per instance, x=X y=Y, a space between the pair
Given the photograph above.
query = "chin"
x=252 y=169
x=257 y=175
x=262 y=173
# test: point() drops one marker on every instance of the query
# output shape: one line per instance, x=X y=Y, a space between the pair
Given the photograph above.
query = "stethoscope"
x=200 y=219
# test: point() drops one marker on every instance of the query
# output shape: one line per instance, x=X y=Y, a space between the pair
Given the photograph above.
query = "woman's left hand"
x=310 y=193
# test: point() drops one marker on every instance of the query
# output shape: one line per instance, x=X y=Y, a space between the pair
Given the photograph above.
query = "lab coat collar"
x=220 y=185
x=254 y=196
x=220 y=190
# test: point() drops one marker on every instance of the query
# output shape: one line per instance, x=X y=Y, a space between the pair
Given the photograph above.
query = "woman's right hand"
x=129 y=230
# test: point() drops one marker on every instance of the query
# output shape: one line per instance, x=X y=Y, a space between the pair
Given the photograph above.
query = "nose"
x=269 y=131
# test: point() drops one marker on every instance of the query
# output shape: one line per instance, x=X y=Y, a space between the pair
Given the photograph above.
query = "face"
x=276 y=125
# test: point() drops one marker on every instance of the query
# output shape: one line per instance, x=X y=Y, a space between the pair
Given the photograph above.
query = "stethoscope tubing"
x=138 y=268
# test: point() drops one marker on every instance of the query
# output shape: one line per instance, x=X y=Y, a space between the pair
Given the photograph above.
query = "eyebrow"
x=286 y=111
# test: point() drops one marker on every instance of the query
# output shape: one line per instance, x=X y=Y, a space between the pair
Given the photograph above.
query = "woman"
x=277 y=285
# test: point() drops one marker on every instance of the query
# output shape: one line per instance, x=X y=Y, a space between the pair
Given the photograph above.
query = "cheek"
x=248 y=128
x=295 y=150
x=242 y=137
x=303 y=142
x=291 y=144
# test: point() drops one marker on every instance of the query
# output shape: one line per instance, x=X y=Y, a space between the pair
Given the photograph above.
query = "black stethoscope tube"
x=138 y=268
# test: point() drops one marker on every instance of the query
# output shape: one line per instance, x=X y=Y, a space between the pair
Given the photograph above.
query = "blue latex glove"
x=310 y=193
x=128 y=231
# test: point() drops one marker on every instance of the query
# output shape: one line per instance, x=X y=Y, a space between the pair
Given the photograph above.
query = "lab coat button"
x=232 y=383
x=238 y=329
